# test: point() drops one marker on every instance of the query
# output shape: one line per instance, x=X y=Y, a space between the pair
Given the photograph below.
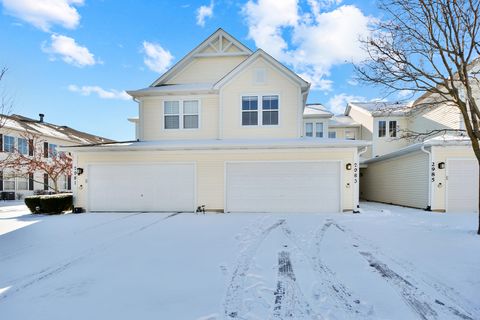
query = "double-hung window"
x=319 y=129
x=392 y=128
x=332 y=134
x=8 y=182
x=382 y=128
x=52 y=150
x=183 y=114
x=22 y=182
x=260 y=110
x=270 y=110
x=8 y=144
x=250 y=111
x=23 y=146
x=309 y=129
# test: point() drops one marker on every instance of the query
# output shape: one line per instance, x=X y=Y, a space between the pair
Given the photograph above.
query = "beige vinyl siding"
x=207 y=70
x=152 y=119
x=340 y=132
x=443 y=154
x=366 y=130
x=210 y=168
x=442 y=117
x=276 y=84
x=401 y=181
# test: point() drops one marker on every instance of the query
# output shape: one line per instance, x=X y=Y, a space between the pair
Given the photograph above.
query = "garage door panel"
x=283 y=186
x=462 y=194
x=142 y=187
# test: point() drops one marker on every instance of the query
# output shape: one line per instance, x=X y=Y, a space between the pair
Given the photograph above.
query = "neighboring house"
x=439 y=174
x=318 y=122
x=224 y=129
x=17 y=134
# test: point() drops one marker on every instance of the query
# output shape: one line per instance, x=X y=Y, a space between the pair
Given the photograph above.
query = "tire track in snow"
x=330 y=286
x=49 y=272
x=290 y=302
x=422 y=304
x=233 y=304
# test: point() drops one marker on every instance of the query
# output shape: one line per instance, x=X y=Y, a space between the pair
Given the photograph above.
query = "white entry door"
x=462 y=185
x=141 y=187
x=277 y=186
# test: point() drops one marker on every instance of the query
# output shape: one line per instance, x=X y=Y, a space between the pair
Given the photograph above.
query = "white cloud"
x=156 y=58
x=338 y=102
x=43 y=14
x=319 y=39
x=69 y=51
x=203 y=13
x=102 y=93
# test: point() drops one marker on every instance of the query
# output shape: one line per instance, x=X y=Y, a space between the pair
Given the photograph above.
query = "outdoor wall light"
x=441 y=165
x=348 y=166
x=79 y=171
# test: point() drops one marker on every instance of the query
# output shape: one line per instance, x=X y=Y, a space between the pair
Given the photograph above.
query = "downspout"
x=356 y=204
x=429 y=205
x=220 y=115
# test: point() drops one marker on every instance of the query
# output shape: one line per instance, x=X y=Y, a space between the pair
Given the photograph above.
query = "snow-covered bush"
x=50 y=204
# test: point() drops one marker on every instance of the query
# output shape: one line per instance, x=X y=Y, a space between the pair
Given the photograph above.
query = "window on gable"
x=250 y=111
x=308 y=129
x=392 y=128
x=190 y=114
x=332 y=134
x=8 y=144
x=382 y=128
x=23 y=146
x=171 y=110
x=319 y=130
x=270 y=110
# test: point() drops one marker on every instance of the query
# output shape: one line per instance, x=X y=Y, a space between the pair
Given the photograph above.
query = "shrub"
x=50 y=204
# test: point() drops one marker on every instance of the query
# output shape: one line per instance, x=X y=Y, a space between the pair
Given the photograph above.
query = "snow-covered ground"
x=385 y=263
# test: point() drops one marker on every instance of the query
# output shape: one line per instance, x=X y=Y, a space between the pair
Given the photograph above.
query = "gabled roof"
x=316 y=110
x=342 y=121
x=45 y=129
x=275 y=63
x=381 y=108
x=217 y=44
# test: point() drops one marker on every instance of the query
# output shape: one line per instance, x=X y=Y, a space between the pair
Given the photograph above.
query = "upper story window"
x=260 y=109
x=319 y=129
x=250 y=111
x=349 y=134
x=8 y=144
x=23 y=146
x=183 y=114
x=332 y=134
x=309 y=129
x=270 y=110
x=52 y=150
x=392 y=128
x=382 y=128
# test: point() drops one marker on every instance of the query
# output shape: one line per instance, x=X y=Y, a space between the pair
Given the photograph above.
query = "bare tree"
x=431 y=47
x=38 y=159
x=6 y=102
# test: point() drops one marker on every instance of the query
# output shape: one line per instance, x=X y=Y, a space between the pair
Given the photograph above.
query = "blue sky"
x=73 y=59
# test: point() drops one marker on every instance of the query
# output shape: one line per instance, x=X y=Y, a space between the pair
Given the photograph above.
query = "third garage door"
x=277 y=186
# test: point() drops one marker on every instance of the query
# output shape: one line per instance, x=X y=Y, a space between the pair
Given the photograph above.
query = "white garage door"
x=142 y=187
x=462 y=185
x=283 y=186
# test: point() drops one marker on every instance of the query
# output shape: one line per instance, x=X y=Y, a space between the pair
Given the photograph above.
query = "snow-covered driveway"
x=385 y=263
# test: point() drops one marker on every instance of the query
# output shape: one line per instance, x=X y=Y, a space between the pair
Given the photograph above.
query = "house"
x=439 y=173
x=25 y=135
x=318 y=122
x=223 y=129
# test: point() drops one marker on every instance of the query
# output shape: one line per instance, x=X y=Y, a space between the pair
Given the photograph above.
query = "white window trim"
x=387 y=128
x=396 y=129
x=334 y=132
x=260 y=110
x=18 y=145
x=181 y=114
x=305 y=128
x=4 y=140
x=314 y=128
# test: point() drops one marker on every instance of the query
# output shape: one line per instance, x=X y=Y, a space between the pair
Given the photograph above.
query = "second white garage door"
x=141 y=187
x=301 y=186
x=462 y=185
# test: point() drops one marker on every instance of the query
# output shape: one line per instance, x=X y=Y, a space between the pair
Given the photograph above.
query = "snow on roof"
x=382 y=108
x=444 y=140
x=316 y=110
x=220 y=144
x=172 y=88
x=342 y=121
x=36 y=127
